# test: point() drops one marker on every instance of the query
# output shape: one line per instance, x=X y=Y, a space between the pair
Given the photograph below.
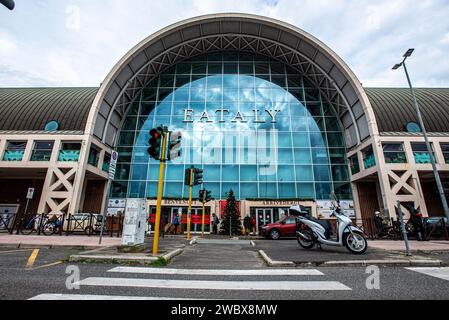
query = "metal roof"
x=394 y=108
x=29 y=109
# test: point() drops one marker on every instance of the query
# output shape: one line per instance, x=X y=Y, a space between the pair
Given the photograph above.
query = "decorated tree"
x=231 y=216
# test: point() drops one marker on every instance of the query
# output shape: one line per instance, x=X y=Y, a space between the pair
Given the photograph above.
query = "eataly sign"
x=238 y=117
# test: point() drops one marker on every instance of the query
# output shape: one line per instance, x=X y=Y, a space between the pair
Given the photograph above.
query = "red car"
x=282 y=228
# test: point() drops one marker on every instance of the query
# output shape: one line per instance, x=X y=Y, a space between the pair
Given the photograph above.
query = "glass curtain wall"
x=253 y=124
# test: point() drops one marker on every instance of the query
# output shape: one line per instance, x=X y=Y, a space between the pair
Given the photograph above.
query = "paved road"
x=184 y=279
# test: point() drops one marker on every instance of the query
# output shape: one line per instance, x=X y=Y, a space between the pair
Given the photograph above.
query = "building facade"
x=266 y=109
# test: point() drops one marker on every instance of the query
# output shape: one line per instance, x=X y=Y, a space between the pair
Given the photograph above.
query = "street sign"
x=113 y=165
x=30 y=193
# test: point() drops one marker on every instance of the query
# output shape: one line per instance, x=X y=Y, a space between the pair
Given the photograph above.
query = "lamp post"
x=423 y=129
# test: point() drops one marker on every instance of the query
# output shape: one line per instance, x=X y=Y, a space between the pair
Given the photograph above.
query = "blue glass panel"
x=284 y=140
x=267 y=173
x=301 y=140
x=151 y=190
x=140 y=154
x=340 y=173
x=267 y=190
x=153 y=172
x=137 y=189
x=320 y=156
x=302 y=156
x=212 y=173
x=139 y=172
x=287 y=190
x=248 y=190
x=299 y=124
x=323 y=191
x=175 y=172
x=230 y=173
x=214 y=188
x=173 y=189
x=322 y=173
x=286 y=173
x=304 y=173
x=248 y=173
x=285 y=156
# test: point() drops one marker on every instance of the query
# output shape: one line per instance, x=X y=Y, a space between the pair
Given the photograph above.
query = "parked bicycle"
x=41 y=224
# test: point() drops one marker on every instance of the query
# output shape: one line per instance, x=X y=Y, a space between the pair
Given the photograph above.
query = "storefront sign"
x=194 y=219
x=279 y=203
x=238 y=117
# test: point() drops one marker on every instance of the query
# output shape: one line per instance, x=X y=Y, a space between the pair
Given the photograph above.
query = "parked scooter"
x=311 y=231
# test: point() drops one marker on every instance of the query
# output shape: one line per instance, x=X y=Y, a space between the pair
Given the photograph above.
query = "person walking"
x=417 y=222
x=163 y=224
x=215 y=223
x=247 y=224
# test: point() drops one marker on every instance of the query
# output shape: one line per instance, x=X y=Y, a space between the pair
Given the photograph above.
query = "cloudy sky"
x=77 y=42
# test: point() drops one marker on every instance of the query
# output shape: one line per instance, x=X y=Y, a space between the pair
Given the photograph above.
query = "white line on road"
x=58 y=296
x=441 y=273
x=214 y=285
x=220 y=272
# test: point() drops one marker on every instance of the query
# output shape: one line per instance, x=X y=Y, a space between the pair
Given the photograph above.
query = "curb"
x=117 y=259
x=353 y=263
x=273 y=263
x=172 y=254
x=364 y=263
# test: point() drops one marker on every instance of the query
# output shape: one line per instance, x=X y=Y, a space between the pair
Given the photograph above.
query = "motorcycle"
x=311 y=231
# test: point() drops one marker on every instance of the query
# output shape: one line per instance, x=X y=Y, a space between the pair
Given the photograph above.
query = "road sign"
x=113 y=165
x=30 y=193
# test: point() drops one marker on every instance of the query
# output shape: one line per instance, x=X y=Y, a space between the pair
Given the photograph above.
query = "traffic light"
x=174 y=145
x=198 y=179
x=187 y=181
x=201 y=196
x=8 y=4
x=208 y=196
x=155 y=143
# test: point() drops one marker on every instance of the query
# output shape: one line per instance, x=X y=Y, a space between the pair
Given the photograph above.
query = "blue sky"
x=76 y=42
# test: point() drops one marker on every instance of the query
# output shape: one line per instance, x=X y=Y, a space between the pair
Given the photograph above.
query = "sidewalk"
x=391 y=245
x=18 y=241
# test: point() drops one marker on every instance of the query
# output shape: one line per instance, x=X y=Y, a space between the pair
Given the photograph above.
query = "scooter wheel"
x=355 y=242
x=306 y=244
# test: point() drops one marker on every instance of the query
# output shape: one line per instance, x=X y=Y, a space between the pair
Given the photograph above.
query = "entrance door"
x=196 y=220
x=263 y=217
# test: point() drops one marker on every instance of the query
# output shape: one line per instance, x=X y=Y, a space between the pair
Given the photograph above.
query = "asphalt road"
x=189 y=281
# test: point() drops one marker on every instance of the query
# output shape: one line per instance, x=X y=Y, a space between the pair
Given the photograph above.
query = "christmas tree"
x=231 y=216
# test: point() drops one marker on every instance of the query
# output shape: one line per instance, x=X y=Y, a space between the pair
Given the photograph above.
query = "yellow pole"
x=189 y=211
x=202 y=222
x=159 y=196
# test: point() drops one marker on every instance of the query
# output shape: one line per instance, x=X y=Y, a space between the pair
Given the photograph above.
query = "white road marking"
x=58 y=296
x=441 y=273
x=215 y=285
x=219 y=272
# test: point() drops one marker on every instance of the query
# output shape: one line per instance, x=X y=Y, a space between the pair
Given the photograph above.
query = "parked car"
x=283 y=228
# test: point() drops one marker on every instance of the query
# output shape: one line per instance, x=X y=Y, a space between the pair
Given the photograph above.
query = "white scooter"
x=311 y=231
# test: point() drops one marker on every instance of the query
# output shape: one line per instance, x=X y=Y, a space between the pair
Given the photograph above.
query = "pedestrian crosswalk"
x=161 y=283
x=441 y=273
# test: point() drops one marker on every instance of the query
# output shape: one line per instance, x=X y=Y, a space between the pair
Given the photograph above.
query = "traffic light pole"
x=189 y=211
x=159 y=195
x=204 y=214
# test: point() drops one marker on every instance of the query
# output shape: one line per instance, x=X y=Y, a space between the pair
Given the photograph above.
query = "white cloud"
x=76 y=43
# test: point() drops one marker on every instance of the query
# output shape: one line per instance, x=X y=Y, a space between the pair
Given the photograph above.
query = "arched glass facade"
x=255 y=126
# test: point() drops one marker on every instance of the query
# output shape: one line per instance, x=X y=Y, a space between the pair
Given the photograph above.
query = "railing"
x=391 y=229
x=6 y=221
x=81 y=223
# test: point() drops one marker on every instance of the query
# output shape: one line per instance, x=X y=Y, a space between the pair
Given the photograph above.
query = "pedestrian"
x=253 y=224
x=176 y=223
x=163 y=224
x=417 y=222
x=215 y=223
x=247 y=224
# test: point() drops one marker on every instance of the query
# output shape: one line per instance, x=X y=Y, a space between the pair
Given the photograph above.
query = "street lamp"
x=423 y=129
x=8 y=4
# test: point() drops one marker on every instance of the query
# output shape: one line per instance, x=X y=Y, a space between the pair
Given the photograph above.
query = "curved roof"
x=394 y=108
x=25 y=109
x=232 y=32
